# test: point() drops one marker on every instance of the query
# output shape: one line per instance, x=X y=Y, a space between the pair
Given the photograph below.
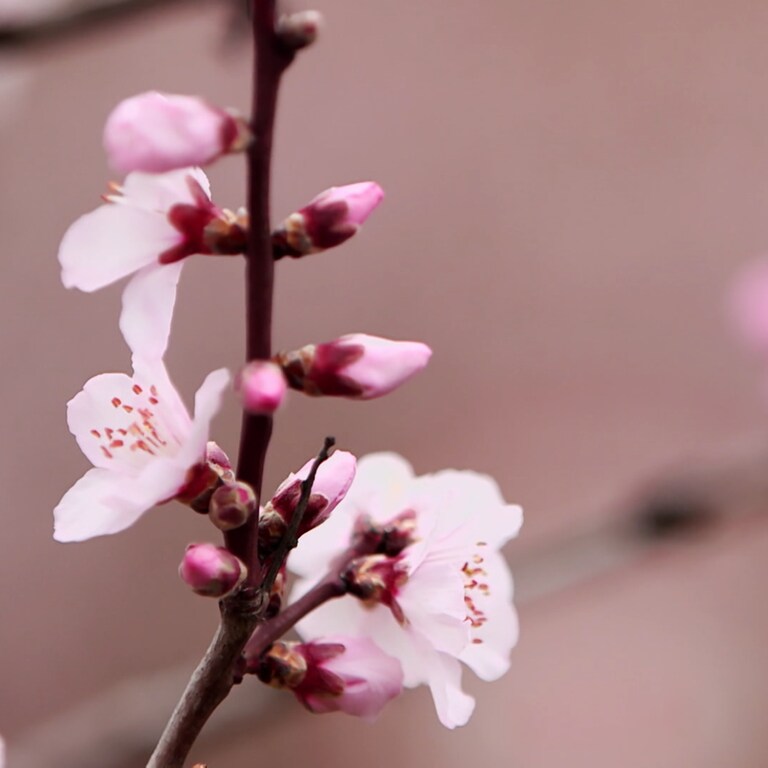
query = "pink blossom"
x=262 y=387
x=327 y=220
x=157 y=132
x=348 y=674
x=211 y=571
x=439 y=590
x=357 y=366
x=749 y=304
x=147 y=227
x=143 y=445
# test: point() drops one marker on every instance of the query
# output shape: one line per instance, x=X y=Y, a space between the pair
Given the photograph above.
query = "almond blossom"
x=148 y=225
x=435 y=592
x=136 y=431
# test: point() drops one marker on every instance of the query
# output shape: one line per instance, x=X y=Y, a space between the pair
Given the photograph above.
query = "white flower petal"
x=148 y=302
x=119 y=423
x=207 y=405
x=157 y=192
x=454 y=707
x=101 y=502
x=469 y=498
x=110 y=243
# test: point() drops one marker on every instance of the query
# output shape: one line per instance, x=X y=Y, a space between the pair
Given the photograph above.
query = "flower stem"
x=216 y=674
x=270 y=61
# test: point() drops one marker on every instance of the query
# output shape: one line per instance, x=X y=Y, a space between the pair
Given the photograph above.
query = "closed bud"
x=211 y=571
x=231 y=505
x=298 y=30
x=335 y=674
x=356 y=366
x=332 y=481
x=204 y=478
x=262 y=387
x=156 y=132
x=327 y=221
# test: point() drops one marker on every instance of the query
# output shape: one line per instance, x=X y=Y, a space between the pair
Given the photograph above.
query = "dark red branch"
x=270 y=61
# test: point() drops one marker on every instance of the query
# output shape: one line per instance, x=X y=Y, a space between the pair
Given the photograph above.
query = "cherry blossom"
x=136 y=431
x=439 y=591
x=146 y=228
x=143 y=445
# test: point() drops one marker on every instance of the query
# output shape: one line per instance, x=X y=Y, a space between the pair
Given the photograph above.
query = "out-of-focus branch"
x=697 y=497
x=73 y=21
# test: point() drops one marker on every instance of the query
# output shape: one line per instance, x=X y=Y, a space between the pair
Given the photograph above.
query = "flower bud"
x=298 y=30
x=204 y=478
x=357 y=366
x=262 y=387
x=332 y=481
x=335 y=674
x=231 y=505
x=157 y=132
x=327 y=221
x=211 y=571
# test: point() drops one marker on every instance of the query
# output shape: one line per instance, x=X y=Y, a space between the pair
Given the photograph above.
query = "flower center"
x=137 y=433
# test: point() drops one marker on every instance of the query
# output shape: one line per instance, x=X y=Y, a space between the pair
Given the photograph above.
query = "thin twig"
x=290 y=538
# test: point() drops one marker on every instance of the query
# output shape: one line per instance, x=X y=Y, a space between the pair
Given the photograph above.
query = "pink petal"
x=148 y=302
x=371 y=678
x=110 y=243
x=158 y=132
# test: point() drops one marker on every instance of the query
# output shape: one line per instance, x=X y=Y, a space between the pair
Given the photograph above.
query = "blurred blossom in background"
x=571 y=189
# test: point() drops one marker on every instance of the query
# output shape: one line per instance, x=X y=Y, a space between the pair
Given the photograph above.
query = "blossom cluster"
x=413 y=582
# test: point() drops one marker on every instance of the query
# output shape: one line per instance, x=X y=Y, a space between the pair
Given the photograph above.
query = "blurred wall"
x=570 y=186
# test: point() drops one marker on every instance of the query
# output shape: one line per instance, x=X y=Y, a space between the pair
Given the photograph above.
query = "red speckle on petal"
x=106 y=453
x=116 y=402
x=96 y=433
x=137 y=389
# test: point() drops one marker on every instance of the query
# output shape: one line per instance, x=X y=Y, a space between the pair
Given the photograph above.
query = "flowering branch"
x=271 y=59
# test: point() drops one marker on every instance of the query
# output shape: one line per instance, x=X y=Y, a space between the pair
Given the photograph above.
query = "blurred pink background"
x=570 y=188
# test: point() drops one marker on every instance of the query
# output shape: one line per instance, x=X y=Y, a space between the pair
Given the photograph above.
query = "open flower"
x=136 y=431
x=143 y=445
x=147 y=227
x=435 y=590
